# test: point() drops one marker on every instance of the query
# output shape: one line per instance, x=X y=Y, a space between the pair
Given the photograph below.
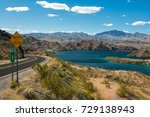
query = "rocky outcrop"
x=141 y=53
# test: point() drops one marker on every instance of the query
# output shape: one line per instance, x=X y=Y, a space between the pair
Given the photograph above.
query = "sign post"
x=16 y=40
x=12 y=59
x=17 y=65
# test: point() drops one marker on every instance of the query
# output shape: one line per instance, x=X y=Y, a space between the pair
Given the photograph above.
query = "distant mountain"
x=114 y=33
x=76 y=36
x=61 y=36
x=117 y=33
x=141 y=34
x=137 y=40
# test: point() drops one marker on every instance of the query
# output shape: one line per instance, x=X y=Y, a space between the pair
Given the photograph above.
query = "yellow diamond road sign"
x=16 y=40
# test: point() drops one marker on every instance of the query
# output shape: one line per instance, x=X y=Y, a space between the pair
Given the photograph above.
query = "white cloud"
x=127 y=23
x=6 y=29
x=128 y=1
x=55 y=6
x=108 y=25
x=140 y=23
x=17 y=9
x=126 y=31
x=11 y=30
x=124 y=15
x=86 y=9
x=52 y=15
x=35 y=31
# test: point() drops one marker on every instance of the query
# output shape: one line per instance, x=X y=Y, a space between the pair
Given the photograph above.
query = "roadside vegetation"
x=65 y=82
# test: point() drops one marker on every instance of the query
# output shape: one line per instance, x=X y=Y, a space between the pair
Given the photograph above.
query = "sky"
x=89 y=16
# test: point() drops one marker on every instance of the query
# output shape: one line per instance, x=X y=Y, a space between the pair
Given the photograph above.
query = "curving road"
x=7 y=68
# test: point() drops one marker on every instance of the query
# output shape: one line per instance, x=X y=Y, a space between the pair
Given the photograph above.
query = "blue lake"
x=98 y=59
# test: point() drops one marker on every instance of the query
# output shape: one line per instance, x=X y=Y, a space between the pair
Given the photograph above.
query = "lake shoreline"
x=98 y=59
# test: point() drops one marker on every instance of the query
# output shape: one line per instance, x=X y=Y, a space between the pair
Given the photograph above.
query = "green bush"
x=106 y=82
x=61 y=79
x=83 y=96
x=14 y=84
x=29 y=94
x=122 y=91
x=89 y=87
x=57 y=79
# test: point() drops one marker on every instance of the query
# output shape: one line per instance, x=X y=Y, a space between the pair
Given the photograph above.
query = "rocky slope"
x=62 y=36
x=141 y=53
x=115 y=37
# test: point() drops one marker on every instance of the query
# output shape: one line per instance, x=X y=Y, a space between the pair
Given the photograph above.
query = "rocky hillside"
x=61 y=36
x=115 y=37
x=111 y=40
x=141 y=53
x=4 y=44
x=137 y=40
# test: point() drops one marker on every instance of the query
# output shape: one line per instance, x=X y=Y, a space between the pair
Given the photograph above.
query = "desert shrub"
x=109 y=76
x=61 y=79
x=89 y=87
x=59 y=87
x=14 y=84
x=122 y=91
x=83 y=96
x=77 y=73
x=57 y=79
x=29 y=94
x=106 y=82
x=41 y=69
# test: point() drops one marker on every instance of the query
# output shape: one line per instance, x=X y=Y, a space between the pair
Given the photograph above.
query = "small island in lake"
x=129 y=61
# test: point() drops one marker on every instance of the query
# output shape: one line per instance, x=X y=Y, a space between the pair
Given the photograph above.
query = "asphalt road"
x=7 y=68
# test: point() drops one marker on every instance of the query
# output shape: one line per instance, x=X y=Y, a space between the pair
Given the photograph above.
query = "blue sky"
x=90 y=16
